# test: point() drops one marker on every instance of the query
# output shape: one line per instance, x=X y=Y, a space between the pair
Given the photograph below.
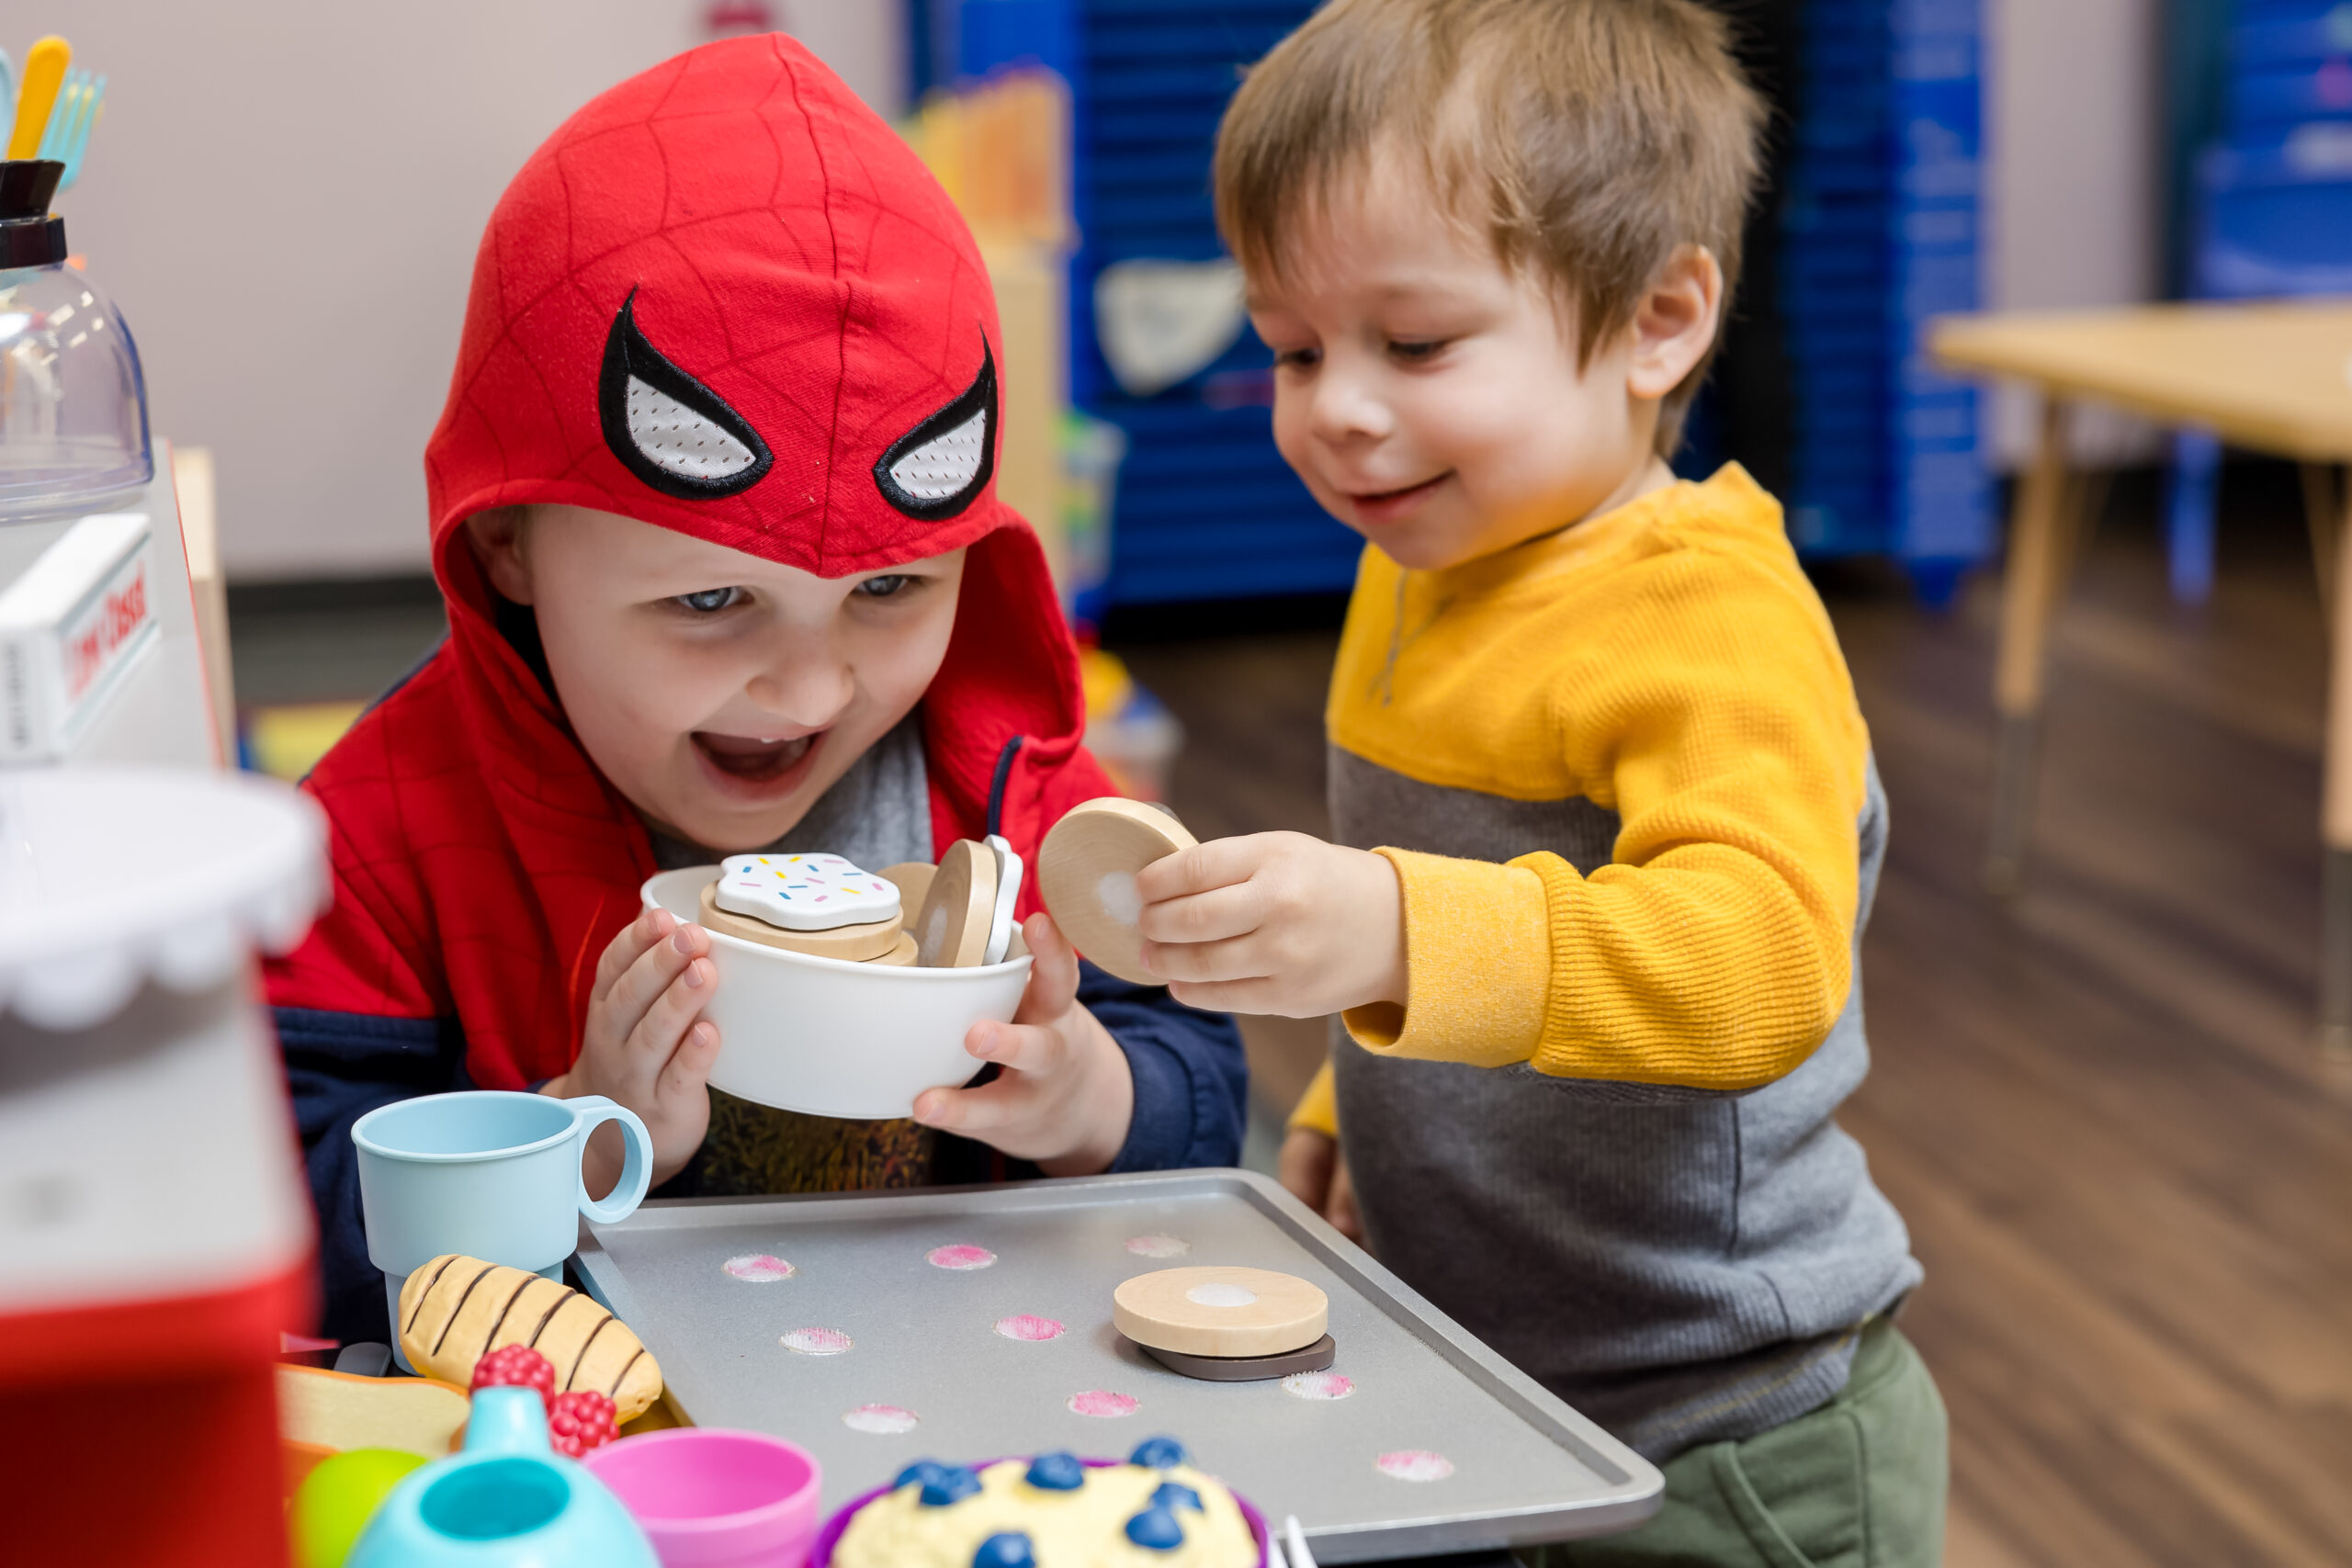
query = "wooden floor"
x=2126 y=1168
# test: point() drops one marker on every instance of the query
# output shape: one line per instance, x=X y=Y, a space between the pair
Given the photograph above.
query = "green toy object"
x=336 y=1500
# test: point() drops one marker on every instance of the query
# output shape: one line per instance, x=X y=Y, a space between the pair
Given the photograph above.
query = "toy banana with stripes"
x=455 y=1310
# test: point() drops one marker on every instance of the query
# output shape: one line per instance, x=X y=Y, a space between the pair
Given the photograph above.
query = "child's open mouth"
x=755 y=761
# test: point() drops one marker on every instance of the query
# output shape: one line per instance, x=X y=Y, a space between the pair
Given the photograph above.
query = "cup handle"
x=637 y=1164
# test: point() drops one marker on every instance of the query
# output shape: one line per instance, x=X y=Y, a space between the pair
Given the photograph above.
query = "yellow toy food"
x=1156 y=1511
x=456 y=1309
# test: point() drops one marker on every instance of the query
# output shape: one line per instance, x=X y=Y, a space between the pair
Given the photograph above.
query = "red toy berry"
x=516 y=1365
x=579 y=1421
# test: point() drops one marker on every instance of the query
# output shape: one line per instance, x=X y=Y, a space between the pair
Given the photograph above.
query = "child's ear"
x=497 y=536
x=1674 y=325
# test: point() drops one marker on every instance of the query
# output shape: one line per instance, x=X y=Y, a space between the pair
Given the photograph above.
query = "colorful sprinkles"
x=816 y=1341
x=1414 y=1464
x=1104 y=1402
x=759 y=1268
x=960 y=1257
x=1318 y=1385
x=1029 y=1329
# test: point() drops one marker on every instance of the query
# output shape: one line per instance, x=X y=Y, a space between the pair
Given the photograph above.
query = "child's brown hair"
x=1589 y=138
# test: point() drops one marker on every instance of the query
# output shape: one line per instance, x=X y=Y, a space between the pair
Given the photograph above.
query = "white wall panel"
x=285 y=196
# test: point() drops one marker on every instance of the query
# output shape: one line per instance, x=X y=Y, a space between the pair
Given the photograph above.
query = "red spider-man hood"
x=725 y=299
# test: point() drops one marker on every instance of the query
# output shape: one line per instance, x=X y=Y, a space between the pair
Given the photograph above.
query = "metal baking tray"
x=1524 y=1467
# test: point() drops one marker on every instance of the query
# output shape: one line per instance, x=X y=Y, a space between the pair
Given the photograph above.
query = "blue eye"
x=888 y=586
x=709 y=600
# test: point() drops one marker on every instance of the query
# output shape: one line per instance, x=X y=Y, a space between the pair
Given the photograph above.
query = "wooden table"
x=2272 y=377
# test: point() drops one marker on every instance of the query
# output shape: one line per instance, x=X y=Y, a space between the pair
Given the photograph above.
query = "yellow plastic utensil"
x=45 y=66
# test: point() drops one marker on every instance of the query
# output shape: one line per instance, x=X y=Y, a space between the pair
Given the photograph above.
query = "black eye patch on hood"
x=672 y=431
x=935 y=471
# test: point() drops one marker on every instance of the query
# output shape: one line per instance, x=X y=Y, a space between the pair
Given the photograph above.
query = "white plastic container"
x=832 y=1038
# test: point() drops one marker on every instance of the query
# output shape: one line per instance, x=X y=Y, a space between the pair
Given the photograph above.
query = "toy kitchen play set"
x=1184 y=1368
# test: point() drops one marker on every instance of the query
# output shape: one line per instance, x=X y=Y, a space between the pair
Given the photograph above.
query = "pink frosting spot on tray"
x=816 y=1341
x=1414 y=1464
x=1318 y=1385
x=1033 y=1329
x=882 y=1420
x=1159 y=1245
x=759 y=1268
x=1102 y=1402
x=959 y=1257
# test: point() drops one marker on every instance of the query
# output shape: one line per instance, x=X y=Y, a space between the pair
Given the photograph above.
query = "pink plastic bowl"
x=708 y=1497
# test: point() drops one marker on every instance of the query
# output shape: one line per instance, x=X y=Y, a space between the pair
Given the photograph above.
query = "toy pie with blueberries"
x=1053 y=1511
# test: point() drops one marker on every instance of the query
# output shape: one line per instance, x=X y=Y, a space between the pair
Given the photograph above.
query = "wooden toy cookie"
x=952 y=930
x=902 y=954
x=913 y=880
x=1086 y=872
x=1220 y=1310
x=805 y=892
x=857 y=945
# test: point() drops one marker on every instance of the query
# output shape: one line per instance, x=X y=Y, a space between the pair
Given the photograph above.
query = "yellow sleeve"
x=1318 y=1108
x=1714 y=952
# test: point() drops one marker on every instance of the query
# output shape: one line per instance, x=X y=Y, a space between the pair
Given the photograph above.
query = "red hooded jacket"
x=724 y=298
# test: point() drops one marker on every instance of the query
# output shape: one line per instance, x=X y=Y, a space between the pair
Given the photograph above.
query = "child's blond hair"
x=1589 y=138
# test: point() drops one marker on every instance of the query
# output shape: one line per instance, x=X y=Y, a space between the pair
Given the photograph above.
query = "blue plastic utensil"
x=94 y=98
x=66 y=138
x=7 y=87
x=55 y=129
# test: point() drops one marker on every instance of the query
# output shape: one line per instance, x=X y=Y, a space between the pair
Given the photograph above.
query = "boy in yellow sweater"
x=1614 y=819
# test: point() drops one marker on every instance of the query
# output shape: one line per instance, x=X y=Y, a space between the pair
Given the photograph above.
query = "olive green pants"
x=1857 y=1483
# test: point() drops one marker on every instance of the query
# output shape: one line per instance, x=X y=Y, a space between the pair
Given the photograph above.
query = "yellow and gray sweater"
x=1629 y=797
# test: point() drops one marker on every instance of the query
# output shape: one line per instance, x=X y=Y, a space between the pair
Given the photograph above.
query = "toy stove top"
x=873 y=1329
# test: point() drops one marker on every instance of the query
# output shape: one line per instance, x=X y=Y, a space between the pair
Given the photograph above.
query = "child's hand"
x=1317 y=1174
x=1065 y=1095
x=646 y=1044
x=1274 y=923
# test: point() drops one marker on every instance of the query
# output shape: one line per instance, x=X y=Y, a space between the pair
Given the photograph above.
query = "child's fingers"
x=1235 y=909
x=1017 y=1047
x=1053 y=972
x=1340 y=1208
x=658 y=1033
x=689 y=1068
x=641 y=984
x=630 y=944
x=1218 y=864
x=1305 y=1166
x=976 y=1112
x=1235 y=958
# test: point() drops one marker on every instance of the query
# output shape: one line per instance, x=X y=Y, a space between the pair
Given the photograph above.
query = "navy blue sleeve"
x=339 y=1066
x=1192 y=1081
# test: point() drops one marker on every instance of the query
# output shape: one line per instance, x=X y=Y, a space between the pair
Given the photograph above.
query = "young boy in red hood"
x=713 y=512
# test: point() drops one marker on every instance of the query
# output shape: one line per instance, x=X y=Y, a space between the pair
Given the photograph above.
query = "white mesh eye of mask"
x=945 y=465
x=681 y=441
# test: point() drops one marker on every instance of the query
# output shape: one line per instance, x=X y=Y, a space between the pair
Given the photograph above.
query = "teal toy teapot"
x=507 y=1501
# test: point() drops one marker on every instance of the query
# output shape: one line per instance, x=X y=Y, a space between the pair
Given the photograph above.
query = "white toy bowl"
x=832 y=1038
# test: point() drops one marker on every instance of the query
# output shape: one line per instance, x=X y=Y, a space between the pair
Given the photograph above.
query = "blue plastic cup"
x=490 y=1174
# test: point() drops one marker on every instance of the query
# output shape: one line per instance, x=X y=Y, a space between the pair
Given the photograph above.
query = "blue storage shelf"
x=1880 y=232
x=1206 y=508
